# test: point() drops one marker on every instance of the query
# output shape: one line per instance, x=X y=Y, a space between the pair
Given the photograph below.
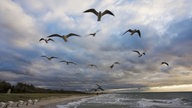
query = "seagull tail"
x=99 y=18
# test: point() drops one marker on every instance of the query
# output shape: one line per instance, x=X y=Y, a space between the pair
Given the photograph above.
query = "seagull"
x=99 y=14
x=50 y=58
x=29 y=102
x=92 y=65
x=4 y=105
x=99 y=87
x=114 y=64
x=139 y=53
x=46 y=40
x=20 y=103
x=35 y=101
x=93 y=34
x=132 y=31
x=68 y=62
x=164 y=63
x=64 y=37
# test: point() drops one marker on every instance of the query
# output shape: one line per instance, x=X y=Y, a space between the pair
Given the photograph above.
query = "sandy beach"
x=51 y=102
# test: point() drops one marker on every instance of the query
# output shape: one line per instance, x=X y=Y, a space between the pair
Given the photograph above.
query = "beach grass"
x=25 y=96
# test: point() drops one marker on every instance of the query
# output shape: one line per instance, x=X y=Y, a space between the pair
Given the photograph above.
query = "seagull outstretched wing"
x=50 y=40
x=72 y=34
x=129 y=30
x=139 y=33
x=137 y=52
x=41 y=39
x=165 y=63
x=107 y=12
x=92 y=10
x=55 y=35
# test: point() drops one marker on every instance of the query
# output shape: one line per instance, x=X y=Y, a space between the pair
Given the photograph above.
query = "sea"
x=133 y=100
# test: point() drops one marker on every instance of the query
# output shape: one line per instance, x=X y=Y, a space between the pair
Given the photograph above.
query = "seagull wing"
x=101 y=88
x=72 y=63
x=139 y=33
x=92 y=65
x=72 y=34
x=55 y=35
x=107 y=12
x=92 y=10
x=98 y=85
x=127 y=31
x=44 y=56
x=50 y=40
x=63 y=61
x=137 y=52
x=41 y=39
x=165 y=63
x=53 y=57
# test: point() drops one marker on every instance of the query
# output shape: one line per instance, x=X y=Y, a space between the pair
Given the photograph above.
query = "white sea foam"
x=121 y=100
x=73 y=104
x=171 y=103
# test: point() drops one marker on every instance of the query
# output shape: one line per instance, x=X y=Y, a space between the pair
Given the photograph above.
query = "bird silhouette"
x=133 y=31
x=114 y=64
x=99 y=87
x=92 y=65
x=46 y=40
x=64 y=37
x=50 y=58
x=68 y=62
x=164 y=63
x=140 y=54
x=99 y=14
x=93 y=34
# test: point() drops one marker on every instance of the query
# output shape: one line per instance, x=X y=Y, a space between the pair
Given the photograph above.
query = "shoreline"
x=53 y=101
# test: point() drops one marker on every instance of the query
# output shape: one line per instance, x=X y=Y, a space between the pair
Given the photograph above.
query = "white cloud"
x=22 y=30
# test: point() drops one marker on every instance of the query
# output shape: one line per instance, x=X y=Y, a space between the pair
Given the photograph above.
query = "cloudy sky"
x=166 y=35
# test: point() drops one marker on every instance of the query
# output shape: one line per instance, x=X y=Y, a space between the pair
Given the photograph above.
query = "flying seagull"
x=99 y=14
x=68 y=62
x=46 y=40
x=64 y=37
x=133 y=31
x=92 y=65
x=164 y=63
x=93 y=34
x=50 y=58
x=139 y=53
x=114 y=64
x=99 y=87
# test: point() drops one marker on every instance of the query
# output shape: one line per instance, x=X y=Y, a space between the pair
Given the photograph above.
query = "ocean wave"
x=132 y=102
